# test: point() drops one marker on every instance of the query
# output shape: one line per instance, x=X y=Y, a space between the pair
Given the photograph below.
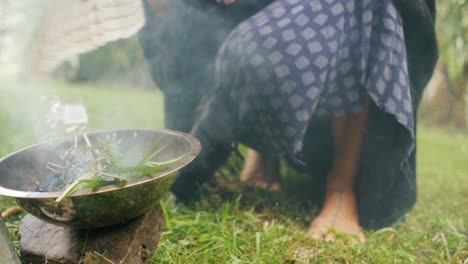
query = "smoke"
x=18 y=20
x=180 y=44
x=36 y=36
x=17 y=110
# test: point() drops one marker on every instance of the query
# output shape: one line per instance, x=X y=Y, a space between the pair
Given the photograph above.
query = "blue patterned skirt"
x=299 y=60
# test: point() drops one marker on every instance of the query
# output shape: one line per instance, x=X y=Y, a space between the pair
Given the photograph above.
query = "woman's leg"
x=340 y=208
x=261 y=171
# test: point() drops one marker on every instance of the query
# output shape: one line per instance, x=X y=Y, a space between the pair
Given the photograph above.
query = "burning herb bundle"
x=96 y=165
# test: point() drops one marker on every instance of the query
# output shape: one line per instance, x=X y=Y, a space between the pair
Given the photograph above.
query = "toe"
x=317 y=230
x=314 y=234
x=329 y=237
x=275 y=187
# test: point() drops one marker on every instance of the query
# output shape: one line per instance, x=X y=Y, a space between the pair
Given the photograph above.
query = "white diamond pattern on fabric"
x=316 y=58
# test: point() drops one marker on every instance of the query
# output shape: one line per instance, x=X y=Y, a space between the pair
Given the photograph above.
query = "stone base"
x=133 y=242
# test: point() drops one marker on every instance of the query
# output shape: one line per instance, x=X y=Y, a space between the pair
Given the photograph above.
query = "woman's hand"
x=227 y=2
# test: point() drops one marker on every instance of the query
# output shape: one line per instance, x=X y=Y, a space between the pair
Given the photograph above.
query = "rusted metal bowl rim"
x=189 y=157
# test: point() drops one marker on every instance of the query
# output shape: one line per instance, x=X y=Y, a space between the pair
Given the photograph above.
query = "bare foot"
x=263 y=174
x=338 y=214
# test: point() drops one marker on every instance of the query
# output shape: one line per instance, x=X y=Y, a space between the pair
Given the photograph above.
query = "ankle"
x=341 y=179
x=344 y=201
x=340 y=189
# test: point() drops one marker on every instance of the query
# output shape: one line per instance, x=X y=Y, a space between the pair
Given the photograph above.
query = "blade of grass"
x=75 y=186
x=164 y=163
x=166 y=216
x=152 y=152
x=72 y=188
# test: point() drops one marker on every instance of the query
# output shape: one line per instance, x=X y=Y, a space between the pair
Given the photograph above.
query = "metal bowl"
x=22 y=172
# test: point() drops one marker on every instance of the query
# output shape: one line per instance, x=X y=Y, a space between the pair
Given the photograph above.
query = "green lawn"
x=256 y=227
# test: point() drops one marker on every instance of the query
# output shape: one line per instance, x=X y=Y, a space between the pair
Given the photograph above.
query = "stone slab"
x=133 y=242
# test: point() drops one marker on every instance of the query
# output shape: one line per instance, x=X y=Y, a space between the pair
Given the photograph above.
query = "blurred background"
x=121 y=63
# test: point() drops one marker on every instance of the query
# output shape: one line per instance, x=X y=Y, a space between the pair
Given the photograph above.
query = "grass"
x=256 y=227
